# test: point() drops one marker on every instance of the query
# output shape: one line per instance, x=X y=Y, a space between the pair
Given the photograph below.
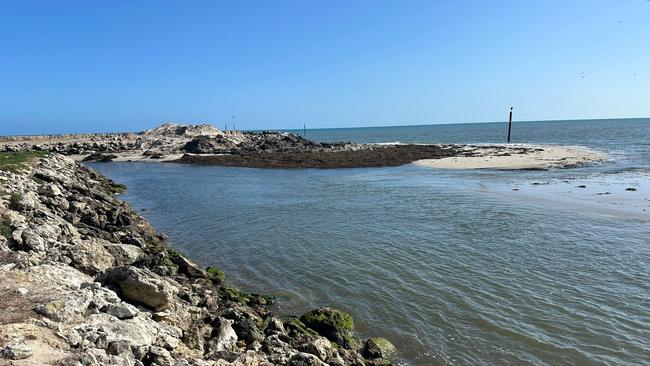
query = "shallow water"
x=454 y=267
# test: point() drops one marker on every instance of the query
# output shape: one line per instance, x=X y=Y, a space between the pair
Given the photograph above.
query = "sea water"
x=476 y=267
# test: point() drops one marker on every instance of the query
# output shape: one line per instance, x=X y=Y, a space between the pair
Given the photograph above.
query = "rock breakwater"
x=85 y=280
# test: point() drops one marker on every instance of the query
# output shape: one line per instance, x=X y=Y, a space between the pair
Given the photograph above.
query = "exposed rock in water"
x=85 y=280
x=335 y=325
x=379 y=348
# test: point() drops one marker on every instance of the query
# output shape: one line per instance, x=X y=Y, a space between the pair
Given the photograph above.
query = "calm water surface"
x=450 y=271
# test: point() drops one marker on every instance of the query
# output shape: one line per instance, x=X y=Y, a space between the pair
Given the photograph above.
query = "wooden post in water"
x=304 y=130
x=510 y=124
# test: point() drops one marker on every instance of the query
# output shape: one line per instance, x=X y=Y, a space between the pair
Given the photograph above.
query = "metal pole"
x=510 y=124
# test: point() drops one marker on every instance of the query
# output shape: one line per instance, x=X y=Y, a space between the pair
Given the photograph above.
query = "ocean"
x=455 y=267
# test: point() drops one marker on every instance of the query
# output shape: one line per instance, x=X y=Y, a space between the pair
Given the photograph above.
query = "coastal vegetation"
x=16 y=161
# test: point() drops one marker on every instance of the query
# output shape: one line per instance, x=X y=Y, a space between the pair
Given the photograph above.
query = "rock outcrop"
x=85 y=280
x=180 y=130
x=169 y=139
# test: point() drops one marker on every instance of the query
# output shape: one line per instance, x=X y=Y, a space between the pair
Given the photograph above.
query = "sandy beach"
x=536 y=157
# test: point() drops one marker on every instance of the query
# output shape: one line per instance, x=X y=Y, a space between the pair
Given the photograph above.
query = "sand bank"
x=511 y=157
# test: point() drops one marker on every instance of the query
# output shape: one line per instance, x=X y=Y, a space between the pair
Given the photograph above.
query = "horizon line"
x=334 y=128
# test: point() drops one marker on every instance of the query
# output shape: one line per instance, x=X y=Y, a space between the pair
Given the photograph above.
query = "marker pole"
x=510 y=124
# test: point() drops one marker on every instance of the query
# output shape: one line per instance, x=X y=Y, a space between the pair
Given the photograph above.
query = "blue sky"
x=72 y=66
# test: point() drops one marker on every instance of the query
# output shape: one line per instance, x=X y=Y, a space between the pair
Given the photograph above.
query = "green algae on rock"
x=215 y=275
x=235 y=295
x=335 y=325
x=379 y=348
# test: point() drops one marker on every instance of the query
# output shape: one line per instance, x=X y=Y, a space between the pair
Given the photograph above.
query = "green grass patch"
x=17 y=161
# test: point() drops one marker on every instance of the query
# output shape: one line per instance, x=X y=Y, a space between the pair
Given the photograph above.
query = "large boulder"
x=319 y=346
x=224 y=338
x=379 y=348
x=100 y=330
x=89 y=257
x=140 y=285
x=186 y=266
x=124 y=253
x=335 y=325
x=49 y=190
x=208 y=145
x=67 y=307
x=17 y=351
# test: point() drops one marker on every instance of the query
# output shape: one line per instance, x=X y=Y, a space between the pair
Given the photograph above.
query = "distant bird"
x=582 y=74
x=619 y=21
x=635 y=72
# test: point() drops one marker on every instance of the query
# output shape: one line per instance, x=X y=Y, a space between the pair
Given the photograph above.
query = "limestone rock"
x=100 y=330
x=32 y=240
x=124 y=254
x=90 y=258
x=226 y=338
x=305 y=359
x=121 y=311
x=17 y=351
x=65 y=308
x=158 y=356
x=274 y=326
x=320 y=347
x=49 y=190
x=142 y=286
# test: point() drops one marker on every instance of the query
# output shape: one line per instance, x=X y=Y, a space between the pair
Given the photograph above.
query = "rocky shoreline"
x=207 y=145
x=85 y=280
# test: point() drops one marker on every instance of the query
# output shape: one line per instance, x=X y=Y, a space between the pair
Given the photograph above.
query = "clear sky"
x=72 y=66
